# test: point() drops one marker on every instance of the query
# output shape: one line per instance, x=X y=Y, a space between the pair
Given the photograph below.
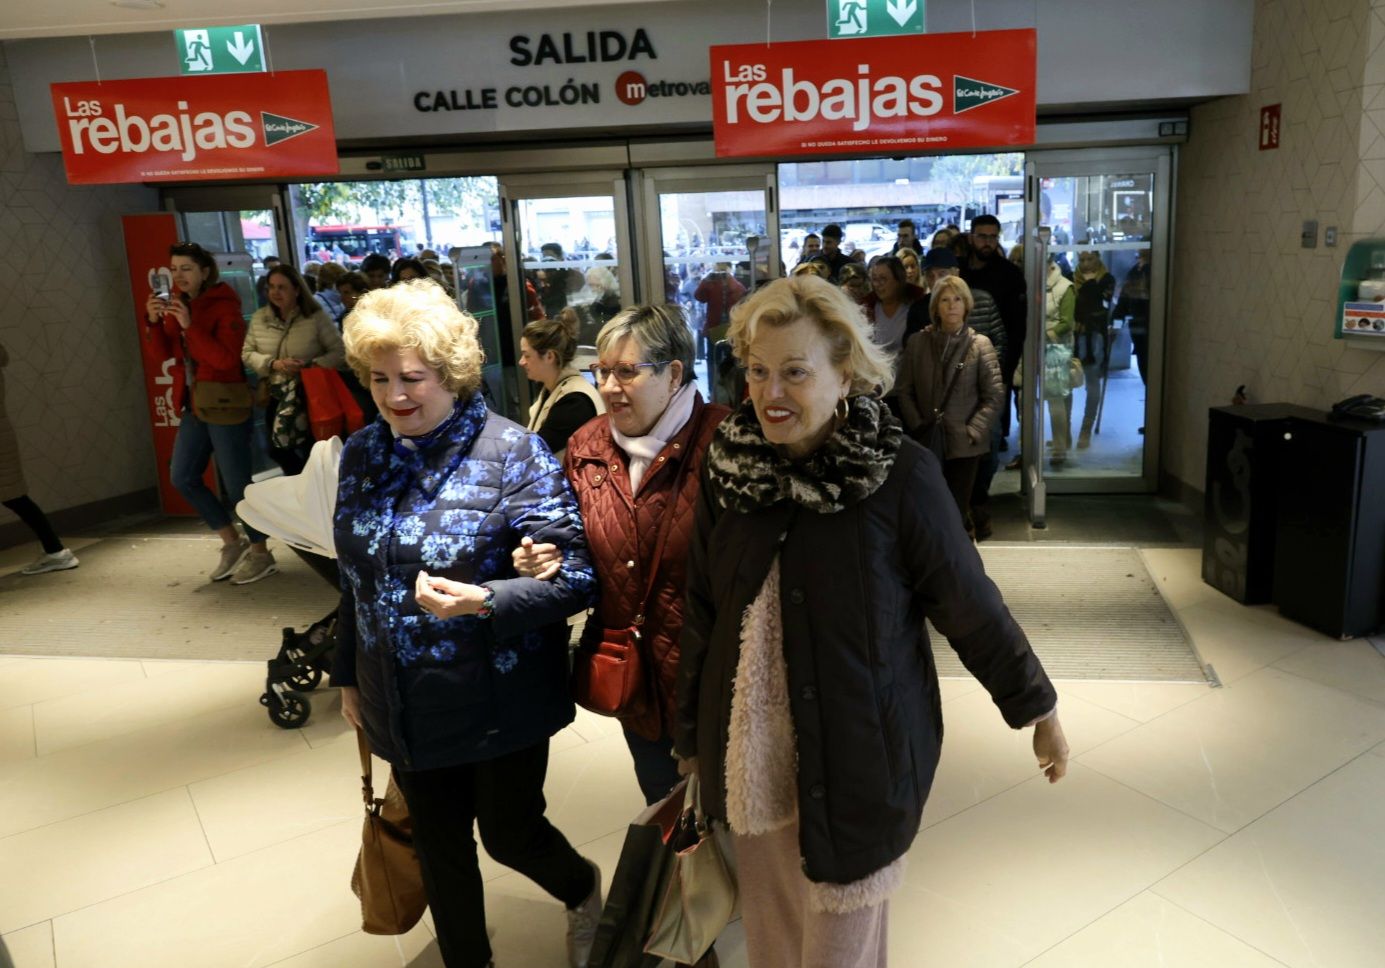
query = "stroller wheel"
x=289 y=711
x=306 y=680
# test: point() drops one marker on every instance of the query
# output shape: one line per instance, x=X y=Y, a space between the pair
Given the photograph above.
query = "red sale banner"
x=147 y=241
x=883 y=95
x=219 y=128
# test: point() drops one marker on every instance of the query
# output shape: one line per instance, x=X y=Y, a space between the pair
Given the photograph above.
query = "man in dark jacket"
x=988 y=269
x=832 y=252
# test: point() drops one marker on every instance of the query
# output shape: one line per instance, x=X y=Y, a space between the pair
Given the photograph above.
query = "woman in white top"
x=568 y=399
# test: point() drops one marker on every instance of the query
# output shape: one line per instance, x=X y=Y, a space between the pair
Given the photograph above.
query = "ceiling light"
x=138 y=4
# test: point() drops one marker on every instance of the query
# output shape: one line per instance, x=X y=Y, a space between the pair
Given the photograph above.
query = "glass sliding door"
x=568 y=238
x=1095 y=332
x=709 y=237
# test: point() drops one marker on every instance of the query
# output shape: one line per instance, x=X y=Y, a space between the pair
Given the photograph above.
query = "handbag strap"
x=956 y=373
x=666 y=525
x=367 y=792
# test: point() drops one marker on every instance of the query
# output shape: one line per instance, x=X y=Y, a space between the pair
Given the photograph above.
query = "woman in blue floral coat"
x=455 y=668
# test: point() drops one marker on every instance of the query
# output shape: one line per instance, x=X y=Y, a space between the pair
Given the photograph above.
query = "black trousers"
x=32 y=515
x=960 y=474
x=502 y=797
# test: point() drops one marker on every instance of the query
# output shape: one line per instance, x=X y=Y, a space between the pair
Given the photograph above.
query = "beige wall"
x=1248 y=305
x=74 y=380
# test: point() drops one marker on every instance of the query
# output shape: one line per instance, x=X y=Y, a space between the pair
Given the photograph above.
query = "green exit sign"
x=221 y=50
x=873 y=18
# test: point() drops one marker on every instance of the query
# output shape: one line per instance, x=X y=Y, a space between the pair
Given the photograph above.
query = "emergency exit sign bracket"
x=220 y=50
x=847 y=19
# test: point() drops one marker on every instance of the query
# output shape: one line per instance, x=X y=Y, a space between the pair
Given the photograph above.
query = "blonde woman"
x=454 y=668
x=806 y=703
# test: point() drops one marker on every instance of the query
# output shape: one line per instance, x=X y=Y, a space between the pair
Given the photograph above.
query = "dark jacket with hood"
x=438 y=693
x=870 y=544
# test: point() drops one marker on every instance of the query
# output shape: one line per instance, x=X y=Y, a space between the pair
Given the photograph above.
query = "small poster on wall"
x=1364 y=319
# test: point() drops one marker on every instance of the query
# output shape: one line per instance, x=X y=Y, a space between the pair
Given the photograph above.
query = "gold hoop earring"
x=843 y=410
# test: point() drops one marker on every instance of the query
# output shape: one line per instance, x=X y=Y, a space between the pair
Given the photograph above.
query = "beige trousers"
x=781 y=930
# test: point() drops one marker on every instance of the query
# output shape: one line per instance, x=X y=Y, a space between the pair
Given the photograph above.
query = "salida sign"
x=196 y=128
x=929 y=93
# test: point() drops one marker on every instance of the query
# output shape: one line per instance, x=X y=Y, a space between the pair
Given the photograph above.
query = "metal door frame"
x=512 y=189
x=256 y=197
x=1039 y=165
x=652 y=182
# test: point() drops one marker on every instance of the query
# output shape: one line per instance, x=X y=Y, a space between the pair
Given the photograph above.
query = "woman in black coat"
x=807 y=698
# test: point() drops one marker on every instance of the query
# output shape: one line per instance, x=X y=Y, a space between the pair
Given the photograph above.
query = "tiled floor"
x=151 y=816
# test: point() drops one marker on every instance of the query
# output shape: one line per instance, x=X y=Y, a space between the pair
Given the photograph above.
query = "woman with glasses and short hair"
x=201 y=328
x=637 y=472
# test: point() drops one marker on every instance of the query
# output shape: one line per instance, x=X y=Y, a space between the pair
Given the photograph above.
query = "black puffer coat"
x=863 y=691
x=438 y=693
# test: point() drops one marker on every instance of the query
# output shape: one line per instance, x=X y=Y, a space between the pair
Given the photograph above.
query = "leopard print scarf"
x=746 y=472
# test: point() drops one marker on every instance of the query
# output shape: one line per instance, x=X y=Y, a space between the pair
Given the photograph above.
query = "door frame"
x=513 y=189
x=1071 y=163
x=650 y=183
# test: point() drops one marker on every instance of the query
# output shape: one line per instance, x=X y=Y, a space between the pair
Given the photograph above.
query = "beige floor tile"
x=1306 y=884
x=325 y=725
x=1354 y=667
x=1024 y=870
x=247 y=913
x=163 y=667
x=928 y=928
x=99 y=856
x=591 y=727
x=283 y=799
x=951 y=689
x=1177 y=573
x=1242 y=750
x=591 y=790
x=982 y=756
x=1237 y=640
x=413 y=950
x=77 y=781
x=16 y=734
x=1149 y=932
x=31 y=680
x=31 y=947
x=126 y=707
x=1143 y=701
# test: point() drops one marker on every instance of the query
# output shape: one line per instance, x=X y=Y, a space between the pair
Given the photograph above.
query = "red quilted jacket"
x=623 y=531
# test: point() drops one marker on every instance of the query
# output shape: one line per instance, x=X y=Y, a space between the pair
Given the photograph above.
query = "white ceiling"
x=67 y=18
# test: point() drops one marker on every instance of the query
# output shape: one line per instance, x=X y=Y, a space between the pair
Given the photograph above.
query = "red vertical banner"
x=147 y=241
x=1269 y=127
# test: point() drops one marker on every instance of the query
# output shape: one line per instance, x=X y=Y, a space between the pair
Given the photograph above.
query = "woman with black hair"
x=201 y=329
x=405 y=269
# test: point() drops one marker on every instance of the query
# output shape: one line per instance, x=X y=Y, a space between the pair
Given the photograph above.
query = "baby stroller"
x=298 y=511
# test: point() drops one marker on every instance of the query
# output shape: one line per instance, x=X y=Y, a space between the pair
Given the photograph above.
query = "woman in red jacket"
x=201 y=328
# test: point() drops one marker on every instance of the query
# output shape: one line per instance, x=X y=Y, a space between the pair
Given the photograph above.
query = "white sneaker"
x=582 y=922
x=256 y=565
x=231 y=554
x=57 y=561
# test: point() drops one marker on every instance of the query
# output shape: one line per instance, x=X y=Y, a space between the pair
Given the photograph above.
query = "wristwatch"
x=487 y=605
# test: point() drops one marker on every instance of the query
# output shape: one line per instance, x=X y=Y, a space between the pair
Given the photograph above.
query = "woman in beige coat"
x=949 y=350
x=14 y=494
x=291 y=332
x=568 y=399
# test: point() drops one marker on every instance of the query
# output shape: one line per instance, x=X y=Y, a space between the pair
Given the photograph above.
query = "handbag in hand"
x=387 y=879
x=700 y=898
x=609 y=679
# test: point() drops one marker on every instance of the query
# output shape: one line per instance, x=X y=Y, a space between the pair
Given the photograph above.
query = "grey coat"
x=12 y=483
x=974 y=403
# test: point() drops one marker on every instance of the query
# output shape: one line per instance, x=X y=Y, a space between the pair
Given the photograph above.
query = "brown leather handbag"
x=387 y=879
x=610 y=679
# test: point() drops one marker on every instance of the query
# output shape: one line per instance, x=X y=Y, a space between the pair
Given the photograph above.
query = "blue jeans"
x=193 y=448
x=655 y=768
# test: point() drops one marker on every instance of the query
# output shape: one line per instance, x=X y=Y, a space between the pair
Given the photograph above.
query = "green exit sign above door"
x=873 y=18
x=221 y=50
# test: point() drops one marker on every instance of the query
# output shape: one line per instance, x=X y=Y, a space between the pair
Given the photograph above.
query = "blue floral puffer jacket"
x=438 y=693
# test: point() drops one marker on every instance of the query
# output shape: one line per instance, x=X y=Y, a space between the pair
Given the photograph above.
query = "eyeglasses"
x=624 y=372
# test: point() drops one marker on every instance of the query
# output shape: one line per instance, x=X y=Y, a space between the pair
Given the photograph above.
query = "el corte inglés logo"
x=968 y=93
x=277 y=129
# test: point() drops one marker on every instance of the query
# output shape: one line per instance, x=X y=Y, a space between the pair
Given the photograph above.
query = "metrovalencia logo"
x=969 y=94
